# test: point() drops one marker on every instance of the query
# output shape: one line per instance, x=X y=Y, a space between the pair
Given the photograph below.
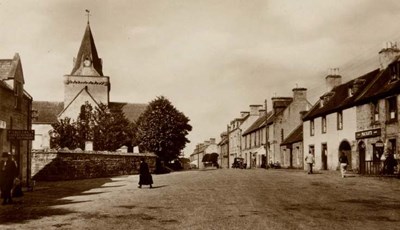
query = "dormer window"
x=394 y=72
x=350 y=91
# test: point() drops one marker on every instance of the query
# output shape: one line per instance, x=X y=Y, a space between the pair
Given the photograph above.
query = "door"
x=324 y=156
x=290 y=158
x=361 y=154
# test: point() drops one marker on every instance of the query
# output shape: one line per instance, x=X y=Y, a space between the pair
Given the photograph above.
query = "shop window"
x=392 y=108
x=312 y=128
x=323 y=125
x=340 y=120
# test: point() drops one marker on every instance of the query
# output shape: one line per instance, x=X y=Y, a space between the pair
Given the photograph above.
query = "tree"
x=112 y=129
x=65 y=134
x=109 y=130
x=162 y=129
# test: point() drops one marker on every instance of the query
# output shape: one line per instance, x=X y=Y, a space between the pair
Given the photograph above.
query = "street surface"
x=211 y=199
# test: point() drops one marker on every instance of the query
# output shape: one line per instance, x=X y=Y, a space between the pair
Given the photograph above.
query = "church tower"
x=86 y=81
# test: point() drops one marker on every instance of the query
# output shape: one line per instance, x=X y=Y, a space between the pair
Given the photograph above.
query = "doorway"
x=346 y=148
x=324 y=156
x=361 y=154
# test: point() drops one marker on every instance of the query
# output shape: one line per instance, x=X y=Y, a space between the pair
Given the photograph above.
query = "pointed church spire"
x=88 y=62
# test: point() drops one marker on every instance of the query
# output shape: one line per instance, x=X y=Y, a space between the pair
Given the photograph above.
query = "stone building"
x=292 y=146
x=235 y=132
x=207 y=147
x=254 y=140
x=15 y=115
x=223 y=151
x=329 y=128
x=286 y=117
x=85 y=83
x=377 y=130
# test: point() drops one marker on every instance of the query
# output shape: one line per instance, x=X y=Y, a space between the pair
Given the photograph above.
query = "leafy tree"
x=112 y=129
x=162 y=129
x=109 y=130
x=64 y=134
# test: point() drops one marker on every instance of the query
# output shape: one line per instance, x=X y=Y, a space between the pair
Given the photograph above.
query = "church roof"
x=46 y=112
x=88 y=51
x=132 y=111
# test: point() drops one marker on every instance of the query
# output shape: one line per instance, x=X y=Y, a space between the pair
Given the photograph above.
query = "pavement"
x=211 y=199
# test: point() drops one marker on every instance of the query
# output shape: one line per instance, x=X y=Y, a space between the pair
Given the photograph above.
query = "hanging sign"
x=368 y=133
x=14 y=134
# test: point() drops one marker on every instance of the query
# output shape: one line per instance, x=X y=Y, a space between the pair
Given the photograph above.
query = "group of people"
x=8 y=174
x=343 y=161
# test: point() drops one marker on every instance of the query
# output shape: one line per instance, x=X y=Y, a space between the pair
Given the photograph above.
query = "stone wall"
x=69 y=165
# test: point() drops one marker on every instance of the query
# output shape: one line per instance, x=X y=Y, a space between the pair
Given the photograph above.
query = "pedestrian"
x=343 y=163
x=389 y=164
x=310 y=161
x=10 y=172
x=145 y=177
x=2 y=164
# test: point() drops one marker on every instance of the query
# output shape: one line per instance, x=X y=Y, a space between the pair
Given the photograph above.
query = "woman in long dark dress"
x=145 y=177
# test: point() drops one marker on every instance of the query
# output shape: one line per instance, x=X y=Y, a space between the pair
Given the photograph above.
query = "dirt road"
x=212 y=199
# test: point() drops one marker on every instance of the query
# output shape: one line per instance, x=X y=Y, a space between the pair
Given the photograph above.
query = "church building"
x=85 y=83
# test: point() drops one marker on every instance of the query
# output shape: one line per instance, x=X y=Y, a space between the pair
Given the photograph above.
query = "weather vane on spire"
x=88 y=15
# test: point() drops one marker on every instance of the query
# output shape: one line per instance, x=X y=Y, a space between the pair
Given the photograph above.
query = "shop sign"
x=3 y=124
x=368 y=133
x=14 y=134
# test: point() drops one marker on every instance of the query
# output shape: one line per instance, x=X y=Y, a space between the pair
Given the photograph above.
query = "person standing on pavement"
x=310 y=161
x=343 y=163
x=2 y=164
x=145 y=177
x=10 y=172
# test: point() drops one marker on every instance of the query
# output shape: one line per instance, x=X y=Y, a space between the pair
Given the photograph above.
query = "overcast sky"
x=211 y=59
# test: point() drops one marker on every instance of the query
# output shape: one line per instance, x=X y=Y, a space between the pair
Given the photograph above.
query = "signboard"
x=368 y=133
x=3 y=124
x=20 y=134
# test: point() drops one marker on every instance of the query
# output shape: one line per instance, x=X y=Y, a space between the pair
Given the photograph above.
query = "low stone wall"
x=69 y=165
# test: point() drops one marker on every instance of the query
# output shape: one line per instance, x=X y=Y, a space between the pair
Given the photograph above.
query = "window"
x=282 y=135
x=312 y=128
x=394 y=72
x=392 y=108
x=375 y=111
x=340 y=120
x=393 y=146
x=323 y=125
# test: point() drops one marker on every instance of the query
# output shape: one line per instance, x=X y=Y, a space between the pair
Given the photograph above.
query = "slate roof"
x=47 y=111
x=259 y=123
x=295 y=136
x=339 y=99
x=88 y=50
x=383 y=86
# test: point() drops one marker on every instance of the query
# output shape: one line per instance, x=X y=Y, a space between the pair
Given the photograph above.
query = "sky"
x=211 y=59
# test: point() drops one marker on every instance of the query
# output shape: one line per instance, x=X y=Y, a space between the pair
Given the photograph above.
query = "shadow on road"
x=40 y=202
x=159 y=186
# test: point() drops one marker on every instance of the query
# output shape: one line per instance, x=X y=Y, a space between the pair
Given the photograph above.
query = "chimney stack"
x=299 y=94
x=388 y=54
x=333 y=79
x=212 y=140
x=280 y=103
x=254 y=110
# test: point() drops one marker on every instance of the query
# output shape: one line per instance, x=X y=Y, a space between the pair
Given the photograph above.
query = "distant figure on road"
x=310 y=161
x=145 y=177
x=10 y=172
x=343 y=163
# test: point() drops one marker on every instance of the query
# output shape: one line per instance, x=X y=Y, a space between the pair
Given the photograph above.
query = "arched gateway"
x=346 y=148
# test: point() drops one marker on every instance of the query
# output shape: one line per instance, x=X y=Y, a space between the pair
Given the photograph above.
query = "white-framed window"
x=323 y=124
x=340 y=120
x=312 y=127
